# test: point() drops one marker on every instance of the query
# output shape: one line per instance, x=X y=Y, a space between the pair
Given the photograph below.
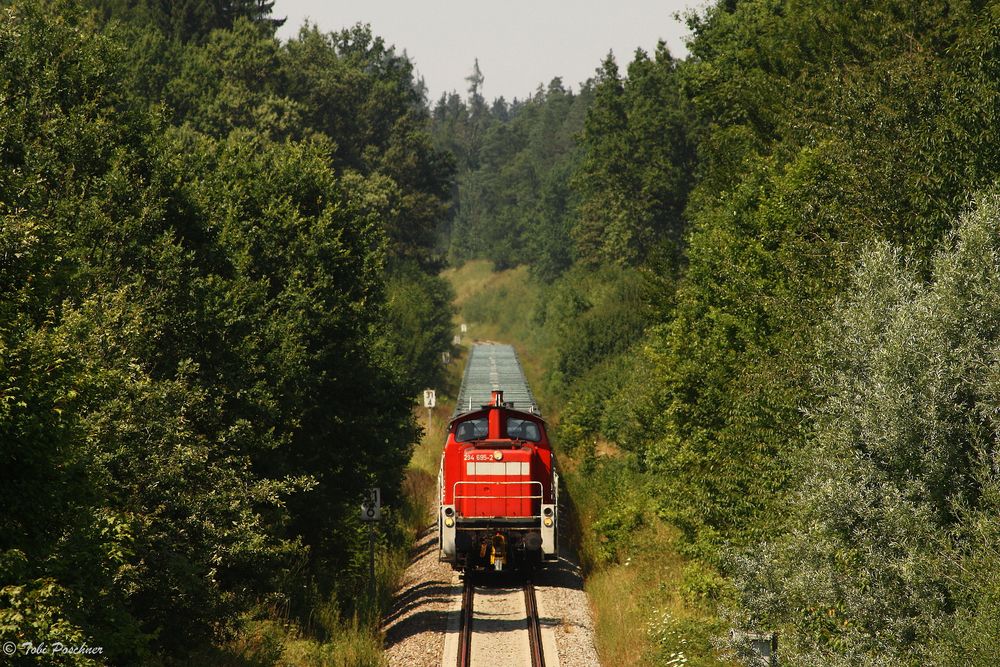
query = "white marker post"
x=371 y=511
x=465 y=328
x=430 y=400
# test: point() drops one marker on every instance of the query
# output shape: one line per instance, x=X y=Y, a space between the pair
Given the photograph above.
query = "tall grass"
x=326 y=638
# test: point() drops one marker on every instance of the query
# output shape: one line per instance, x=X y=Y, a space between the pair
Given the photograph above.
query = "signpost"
x=762 y=646
x=371 y=511
x=371 y=508
x=430 y=400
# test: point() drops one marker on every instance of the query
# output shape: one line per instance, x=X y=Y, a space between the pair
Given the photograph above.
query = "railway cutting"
x=514 y=599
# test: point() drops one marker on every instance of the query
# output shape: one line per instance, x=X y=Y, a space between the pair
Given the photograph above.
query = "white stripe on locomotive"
x=503 y=468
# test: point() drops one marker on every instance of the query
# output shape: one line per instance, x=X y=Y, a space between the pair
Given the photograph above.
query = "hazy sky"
x=519 y=43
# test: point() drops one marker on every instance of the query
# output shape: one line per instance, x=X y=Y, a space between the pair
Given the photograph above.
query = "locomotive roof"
x=494 y=367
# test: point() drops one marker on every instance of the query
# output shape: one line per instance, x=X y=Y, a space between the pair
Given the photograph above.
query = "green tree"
x=192 y=336
x=515 y=203
x=606 y=154
x=636 y=167
x=189 y=20
x=818 y=129
x=419 y=321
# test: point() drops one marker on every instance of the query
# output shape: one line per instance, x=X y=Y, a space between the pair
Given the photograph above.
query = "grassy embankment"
x=648 y=601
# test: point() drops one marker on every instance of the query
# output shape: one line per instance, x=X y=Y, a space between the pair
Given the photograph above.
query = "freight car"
x=498 y=486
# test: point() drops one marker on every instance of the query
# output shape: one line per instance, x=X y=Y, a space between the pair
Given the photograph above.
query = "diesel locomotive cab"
x=498 y=489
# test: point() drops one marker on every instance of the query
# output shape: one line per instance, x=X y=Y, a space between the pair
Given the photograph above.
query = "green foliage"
x=595 y=317
x=792 y=107
x=419 y=312
x=613 y=531
x=514 y=204
x=701 y=583
x=973 y=560
x=636 y=167
x=593 y=322
x=33 y=614
x=194 y=326
x=189 y=20
x=898 y=473
x=227 y=83
x=681 y=641
x=539 y=177
x=615 y=510
x=360 y=92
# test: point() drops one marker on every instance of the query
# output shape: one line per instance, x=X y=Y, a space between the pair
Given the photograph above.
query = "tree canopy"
x=199 y=378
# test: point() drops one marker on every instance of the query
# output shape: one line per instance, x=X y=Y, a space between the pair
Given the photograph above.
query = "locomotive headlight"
x=449 y=522
x=548 y=511
x=547 y=521
x=448 y=511
x=497 y=455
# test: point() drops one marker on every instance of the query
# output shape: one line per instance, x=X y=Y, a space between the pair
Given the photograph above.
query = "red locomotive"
x=498 y=485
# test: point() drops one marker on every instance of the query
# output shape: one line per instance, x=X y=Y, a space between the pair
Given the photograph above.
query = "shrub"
x=898 y=476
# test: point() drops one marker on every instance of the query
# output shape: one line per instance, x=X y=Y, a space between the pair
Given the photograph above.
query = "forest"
x=769 y=286
x=217 y=287
x=767 y=278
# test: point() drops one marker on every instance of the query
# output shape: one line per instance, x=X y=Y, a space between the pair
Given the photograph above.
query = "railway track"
x=534 y=625
x=467 y=626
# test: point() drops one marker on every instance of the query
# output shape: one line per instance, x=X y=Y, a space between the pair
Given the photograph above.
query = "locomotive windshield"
x=474 y=429
x=523 y=429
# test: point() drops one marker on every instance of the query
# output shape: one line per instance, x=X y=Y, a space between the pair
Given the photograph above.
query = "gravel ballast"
x=428 y=602
x=415 y=629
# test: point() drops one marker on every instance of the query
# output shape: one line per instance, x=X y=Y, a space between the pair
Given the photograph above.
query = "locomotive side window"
x=523 y=429
x=474 y=429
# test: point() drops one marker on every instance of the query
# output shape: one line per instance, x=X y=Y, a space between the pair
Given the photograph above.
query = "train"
x=498 y=484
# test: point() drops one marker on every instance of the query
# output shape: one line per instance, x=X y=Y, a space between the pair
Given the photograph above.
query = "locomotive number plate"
x=478 y=456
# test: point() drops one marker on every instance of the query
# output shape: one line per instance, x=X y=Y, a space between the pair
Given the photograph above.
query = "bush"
x=898 y=475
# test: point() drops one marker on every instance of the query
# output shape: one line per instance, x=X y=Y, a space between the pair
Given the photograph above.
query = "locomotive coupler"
x=499 y=551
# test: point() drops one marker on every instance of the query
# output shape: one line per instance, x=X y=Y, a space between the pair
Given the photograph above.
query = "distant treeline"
x=774 y=273
x=218 y=298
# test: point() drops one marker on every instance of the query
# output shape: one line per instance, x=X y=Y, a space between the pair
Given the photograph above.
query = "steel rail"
x=465 y=628
x=534 y=625
x=465 y=623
